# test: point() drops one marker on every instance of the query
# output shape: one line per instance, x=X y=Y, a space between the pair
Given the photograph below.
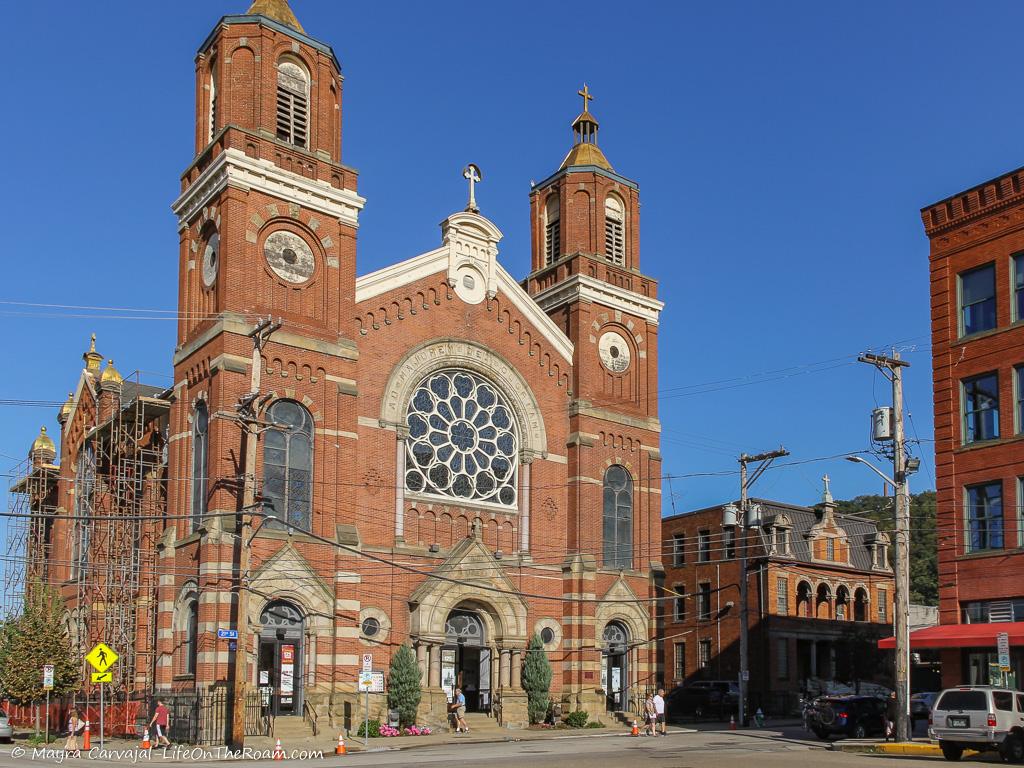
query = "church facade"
x=440 y=455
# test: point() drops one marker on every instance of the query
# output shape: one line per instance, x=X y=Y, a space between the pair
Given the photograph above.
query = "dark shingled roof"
x=859 y=529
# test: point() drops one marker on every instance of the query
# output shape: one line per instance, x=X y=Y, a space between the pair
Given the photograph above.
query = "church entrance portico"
x=466 y=661
x=279 y=670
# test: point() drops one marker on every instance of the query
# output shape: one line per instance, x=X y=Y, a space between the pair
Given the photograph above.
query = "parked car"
x=703 y=698
x=921 y=706
x=979 y=717
x=847 y=716
x=6 y=729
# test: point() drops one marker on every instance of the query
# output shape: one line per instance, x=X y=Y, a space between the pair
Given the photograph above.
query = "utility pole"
x=247 y=416
x=892 y=369
x=743 y=520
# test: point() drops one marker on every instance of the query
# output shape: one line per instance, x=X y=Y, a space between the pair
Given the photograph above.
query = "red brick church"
x=446 y=456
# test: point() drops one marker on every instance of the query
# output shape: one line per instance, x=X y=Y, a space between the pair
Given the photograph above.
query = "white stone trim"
x=583 y=288
x=234 y=168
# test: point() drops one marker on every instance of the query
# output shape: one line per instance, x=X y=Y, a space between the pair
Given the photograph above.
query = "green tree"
x=537 y=680
x=32 y=639
x=404 y=685
x=924 y=575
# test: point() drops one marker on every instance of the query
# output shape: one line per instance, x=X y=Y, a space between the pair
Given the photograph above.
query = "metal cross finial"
x=473 y=175
x=585 y=93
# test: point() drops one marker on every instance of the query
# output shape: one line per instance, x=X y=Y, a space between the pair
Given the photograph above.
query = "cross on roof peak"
x=585 y=93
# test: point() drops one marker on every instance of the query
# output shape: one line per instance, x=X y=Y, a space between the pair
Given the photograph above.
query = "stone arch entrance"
x=615 y=665
x=466 y=660
x=279 y=669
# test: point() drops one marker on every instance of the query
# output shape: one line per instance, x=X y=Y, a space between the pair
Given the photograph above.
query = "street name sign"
x=1003 y=646
x=227 y=634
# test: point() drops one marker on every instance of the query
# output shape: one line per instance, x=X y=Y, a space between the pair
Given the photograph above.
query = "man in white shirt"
x=659 y=709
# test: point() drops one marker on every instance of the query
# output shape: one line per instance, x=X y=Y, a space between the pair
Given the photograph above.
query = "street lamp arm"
x=873 y=468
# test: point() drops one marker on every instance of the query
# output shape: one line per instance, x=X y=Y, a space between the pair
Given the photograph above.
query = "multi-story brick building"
x=448 y=457
x=977 y=299
x=820 y=595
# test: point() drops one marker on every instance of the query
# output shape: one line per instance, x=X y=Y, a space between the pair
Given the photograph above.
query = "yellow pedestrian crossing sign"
x=103 y=677
x=102 y=657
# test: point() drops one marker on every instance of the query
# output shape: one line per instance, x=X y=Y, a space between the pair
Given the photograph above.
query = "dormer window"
x=292 y=103
x=552 y=229
x=614 y=231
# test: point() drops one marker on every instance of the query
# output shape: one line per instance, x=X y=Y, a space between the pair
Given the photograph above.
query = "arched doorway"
x=279 y=674
x=466 y=660
x=614 y=659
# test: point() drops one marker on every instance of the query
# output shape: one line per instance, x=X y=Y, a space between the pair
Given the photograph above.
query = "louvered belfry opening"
x=292 y=103
x=552 y=230
x=614 y=232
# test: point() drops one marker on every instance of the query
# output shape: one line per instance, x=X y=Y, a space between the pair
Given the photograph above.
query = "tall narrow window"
x=704 y=600
x=984 y=517
x=552 y=229
x=730 y=543
x=981 y=407
x=1017 y=300
x=292 y=103
x=1020 y=514
x=618 y=518
x=190 y=645
x=679 y=549
x=781 y=596
x=614 y=231
x=679 y=603
x=830 y=549
x=703 y=546
x=883 y=606
x=704 y=654
x=679 y=668
x=1018 y=375
x=200 y=449
x=288 y=464
x=213 y=100
x=977 y=300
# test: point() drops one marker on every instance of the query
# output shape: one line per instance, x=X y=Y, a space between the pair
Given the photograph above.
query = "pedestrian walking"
x=75 y=726
x=460 y=711
x=160 y=720
x=650 y=716
x=890 y=717
x=659 y=710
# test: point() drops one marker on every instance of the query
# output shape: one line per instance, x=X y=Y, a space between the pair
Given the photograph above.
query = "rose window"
x=462 y=441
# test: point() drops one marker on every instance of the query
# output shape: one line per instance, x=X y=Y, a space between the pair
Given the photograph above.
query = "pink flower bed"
x=412 y=730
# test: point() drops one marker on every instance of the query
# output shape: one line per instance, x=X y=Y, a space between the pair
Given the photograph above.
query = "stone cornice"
x=583 y=288
x=997 y=194
x=233 y=168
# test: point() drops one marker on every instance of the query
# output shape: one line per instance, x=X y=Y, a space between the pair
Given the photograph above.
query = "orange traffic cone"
x=145 y=739
x=340 y=749
x=635 y=731
x=86 y=741
x=732 y=722
x=278 y=751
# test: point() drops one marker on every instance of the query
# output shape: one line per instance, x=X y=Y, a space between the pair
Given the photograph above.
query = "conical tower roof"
x=278 y=10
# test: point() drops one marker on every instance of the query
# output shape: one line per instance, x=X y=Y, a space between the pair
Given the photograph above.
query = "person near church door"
x=659 y=710
x=460 y=711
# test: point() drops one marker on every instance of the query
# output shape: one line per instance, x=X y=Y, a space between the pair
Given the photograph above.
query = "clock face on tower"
x=211 y=259
x=289 y=256
x=614 y=352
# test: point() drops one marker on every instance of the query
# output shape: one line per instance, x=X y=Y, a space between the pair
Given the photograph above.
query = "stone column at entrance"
x=506 y=664
x=421 y=660
x=495 y=670
x=517 y=669
x=435 y=665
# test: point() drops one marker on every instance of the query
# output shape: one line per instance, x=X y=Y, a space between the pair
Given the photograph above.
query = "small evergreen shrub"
x=374 y=729
x=577 y=719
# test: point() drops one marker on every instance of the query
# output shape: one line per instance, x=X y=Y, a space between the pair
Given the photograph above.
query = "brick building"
x=820 y=595
x=448 y=457
x=976 y=264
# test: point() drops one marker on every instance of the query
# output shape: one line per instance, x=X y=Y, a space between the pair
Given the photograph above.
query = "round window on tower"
x=289 y=256
x=547 y=635
x=211 y=259
x=614 y=352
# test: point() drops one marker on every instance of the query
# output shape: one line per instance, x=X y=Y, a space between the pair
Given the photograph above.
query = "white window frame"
x=615 y=230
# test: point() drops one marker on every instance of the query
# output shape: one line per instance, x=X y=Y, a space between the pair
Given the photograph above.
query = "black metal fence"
x=205 y=717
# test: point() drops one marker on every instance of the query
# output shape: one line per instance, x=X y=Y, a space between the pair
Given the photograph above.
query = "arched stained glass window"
x=191 y=640
x=288 y=464
x=618 y=518
x=200 y=449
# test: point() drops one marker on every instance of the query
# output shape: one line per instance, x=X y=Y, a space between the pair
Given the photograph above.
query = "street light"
x=901 y=618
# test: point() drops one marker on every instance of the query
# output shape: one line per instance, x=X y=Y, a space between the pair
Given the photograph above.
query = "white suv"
x=979 y=717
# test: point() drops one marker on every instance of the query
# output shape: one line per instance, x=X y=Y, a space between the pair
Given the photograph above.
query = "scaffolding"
x=30 y=513
x=121 y=489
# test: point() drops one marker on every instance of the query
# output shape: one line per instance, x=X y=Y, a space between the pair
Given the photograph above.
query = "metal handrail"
x=309 y=715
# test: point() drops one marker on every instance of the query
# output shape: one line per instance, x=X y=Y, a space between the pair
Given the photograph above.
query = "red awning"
x=961 y=635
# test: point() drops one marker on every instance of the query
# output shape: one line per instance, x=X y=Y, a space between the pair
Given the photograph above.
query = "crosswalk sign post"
x=102 y=658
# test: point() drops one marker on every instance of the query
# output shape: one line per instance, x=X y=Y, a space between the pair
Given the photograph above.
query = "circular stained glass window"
x=547 y=635
x=371 y=627
x=463 y=440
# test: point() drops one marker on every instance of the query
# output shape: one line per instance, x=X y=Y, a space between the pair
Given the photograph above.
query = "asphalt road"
x=680 y=750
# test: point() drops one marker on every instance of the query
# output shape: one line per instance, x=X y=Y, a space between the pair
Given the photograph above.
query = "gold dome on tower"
x=277 y=10
x=65 y=410
x=584 y=129
x=110 y=374
x=92 y=358
x=44 y=442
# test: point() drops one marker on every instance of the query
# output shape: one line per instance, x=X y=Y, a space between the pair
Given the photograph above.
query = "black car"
x=703 y=699
x=847 y=716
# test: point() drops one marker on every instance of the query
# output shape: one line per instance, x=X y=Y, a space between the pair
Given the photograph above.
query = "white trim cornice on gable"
x=236 y=169
x=583 y=288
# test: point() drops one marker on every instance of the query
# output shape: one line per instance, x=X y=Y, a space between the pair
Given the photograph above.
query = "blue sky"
x=783 y=152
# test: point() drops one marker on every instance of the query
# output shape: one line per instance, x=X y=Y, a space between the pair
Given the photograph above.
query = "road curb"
x=915 y=749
